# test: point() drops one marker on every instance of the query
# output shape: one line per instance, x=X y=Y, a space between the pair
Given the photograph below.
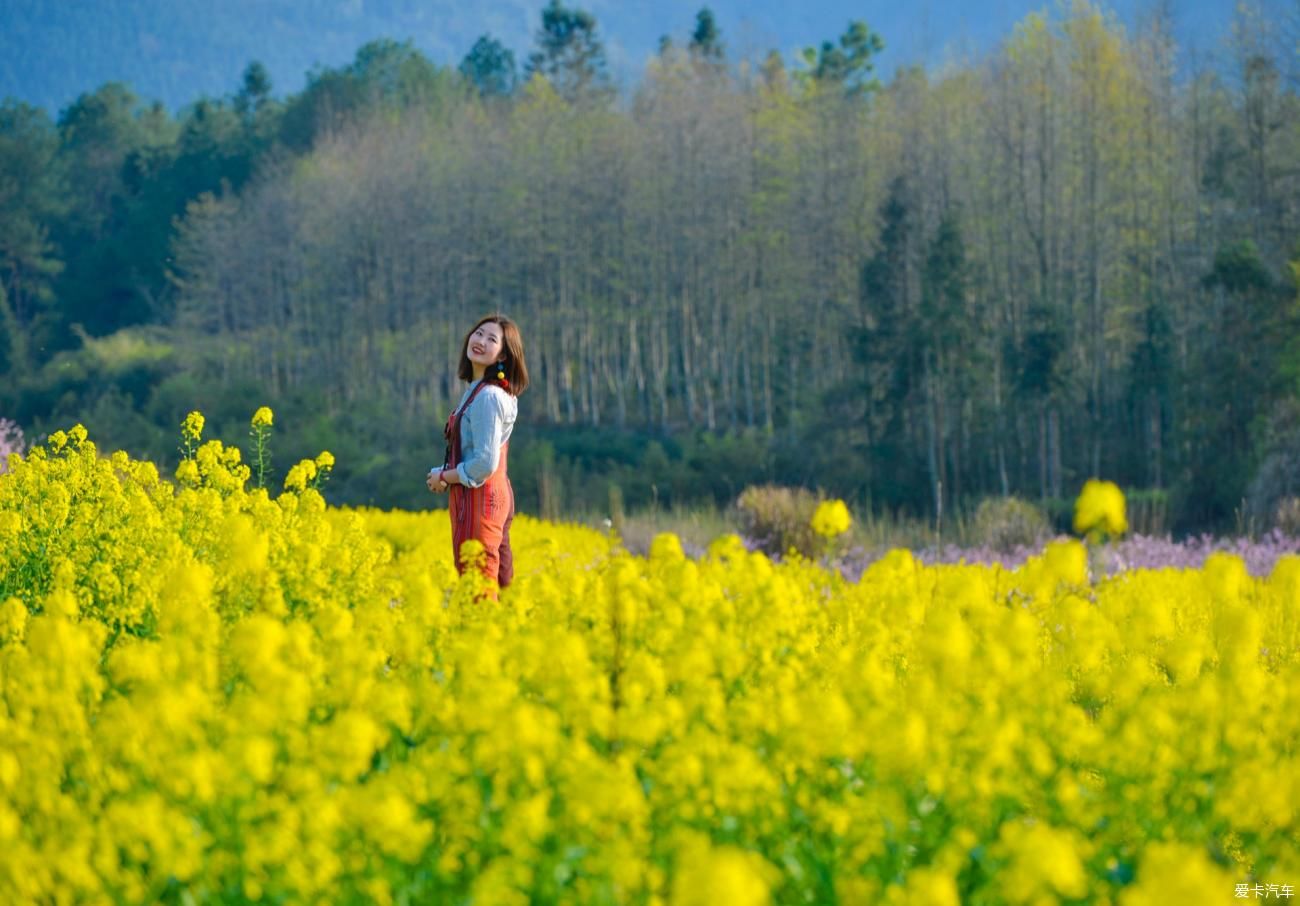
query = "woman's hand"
x=436 y=484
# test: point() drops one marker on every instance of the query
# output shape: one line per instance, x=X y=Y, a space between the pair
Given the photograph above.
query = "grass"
x=699 y=524
x=695 y=525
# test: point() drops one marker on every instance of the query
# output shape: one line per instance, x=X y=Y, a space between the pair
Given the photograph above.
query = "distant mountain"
x=179 y=50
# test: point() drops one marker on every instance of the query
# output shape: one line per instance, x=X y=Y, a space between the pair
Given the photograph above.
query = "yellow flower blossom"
x=722 y=876
x=300 y=476
x=666 y=547
x=1179 y=873
x=188 y=472
x=13 y=620
x=1099 y=509
x=1044 y=861
x=831 y=518
x=262 y=418
x=192 y=427
x=205 y=688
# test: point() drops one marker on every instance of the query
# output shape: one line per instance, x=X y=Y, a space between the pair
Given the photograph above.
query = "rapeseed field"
x=215 y=693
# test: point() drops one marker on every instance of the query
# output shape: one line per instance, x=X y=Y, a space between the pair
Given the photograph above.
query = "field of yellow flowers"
x=214 y=694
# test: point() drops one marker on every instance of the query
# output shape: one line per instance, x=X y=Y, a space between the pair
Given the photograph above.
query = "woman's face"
x=485 y=345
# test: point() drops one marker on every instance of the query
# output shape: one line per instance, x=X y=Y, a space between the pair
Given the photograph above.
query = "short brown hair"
x=514 y=366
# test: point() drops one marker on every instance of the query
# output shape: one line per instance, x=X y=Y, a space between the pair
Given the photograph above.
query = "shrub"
x=778 y=518
x=1007 y=523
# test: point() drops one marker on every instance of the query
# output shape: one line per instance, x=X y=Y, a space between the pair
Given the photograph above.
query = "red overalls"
x=483 y=513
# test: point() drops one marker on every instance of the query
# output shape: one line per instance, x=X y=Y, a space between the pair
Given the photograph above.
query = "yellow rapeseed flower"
x=1100 y=509
x=1045 y=861
x=722 y=876
x=1172 y=872
x=192 y=427
x=348 y=720
x=13 y=620
x=188 y=472
x=300 y=475
x=666 y=546
x=831 y=518
x=262 y=418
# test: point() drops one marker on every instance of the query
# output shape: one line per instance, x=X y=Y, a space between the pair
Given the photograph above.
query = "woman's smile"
x=484 y=345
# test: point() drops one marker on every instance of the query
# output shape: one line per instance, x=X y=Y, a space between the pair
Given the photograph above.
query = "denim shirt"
x=484 y=427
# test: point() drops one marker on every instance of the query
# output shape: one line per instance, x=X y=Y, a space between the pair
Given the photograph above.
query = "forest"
x=1075 y=255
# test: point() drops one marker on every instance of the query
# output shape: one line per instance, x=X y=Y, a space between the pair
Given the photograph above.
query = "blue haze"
x=179 y=50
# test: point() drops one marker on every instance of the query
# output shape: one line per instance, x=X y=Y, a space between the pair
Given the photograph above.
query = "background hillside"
x=1073 y=253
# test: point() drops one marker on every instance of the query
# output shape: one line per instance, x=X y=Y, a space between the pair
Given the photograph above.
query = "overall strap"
x=473 y=393
x=452 y=429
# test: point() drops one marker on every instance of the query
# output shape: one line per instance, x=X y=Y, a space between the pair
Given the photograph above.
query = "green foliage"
x=706 y=40
x=1148 y=510
x=1290 y=358
x=33 y=195
x=1039 y=358
x=384 y=75
x=1238 y=268
x=562 y=469
x=13 y=339
x=849 y=64
x=254 y=92
x=570 y=54
x=1237 y=378
x=945 y=314
x=490 y=68
x=1277 y=479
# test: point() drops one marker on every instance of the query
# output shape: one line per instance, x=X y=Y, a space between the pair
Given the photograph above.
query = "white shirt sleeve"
x=483 y=431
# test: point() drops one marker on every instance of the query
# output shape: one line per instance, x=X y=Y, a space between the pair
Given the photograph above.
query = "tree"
x=950 y=354
x=848 y=65
x=1151 y=392
x=490 y=68
x=13 y=346
x=384 y=74
x=570 y=54
x=112 y=146
x=994 y=276
x=96 y=132
x=706 y=41
x=1041 y=383
x=886 y=353
x=254 y=91
x=773 y=72
x=32 y=198
x=1238 y=373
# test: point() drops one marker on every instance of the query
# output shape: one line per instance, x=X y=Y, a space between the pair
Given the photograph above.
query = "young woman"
x=482 y=503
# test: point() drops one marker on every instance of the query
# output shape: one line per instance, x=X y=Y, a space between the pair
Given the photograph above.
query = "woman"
x=482 y=503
